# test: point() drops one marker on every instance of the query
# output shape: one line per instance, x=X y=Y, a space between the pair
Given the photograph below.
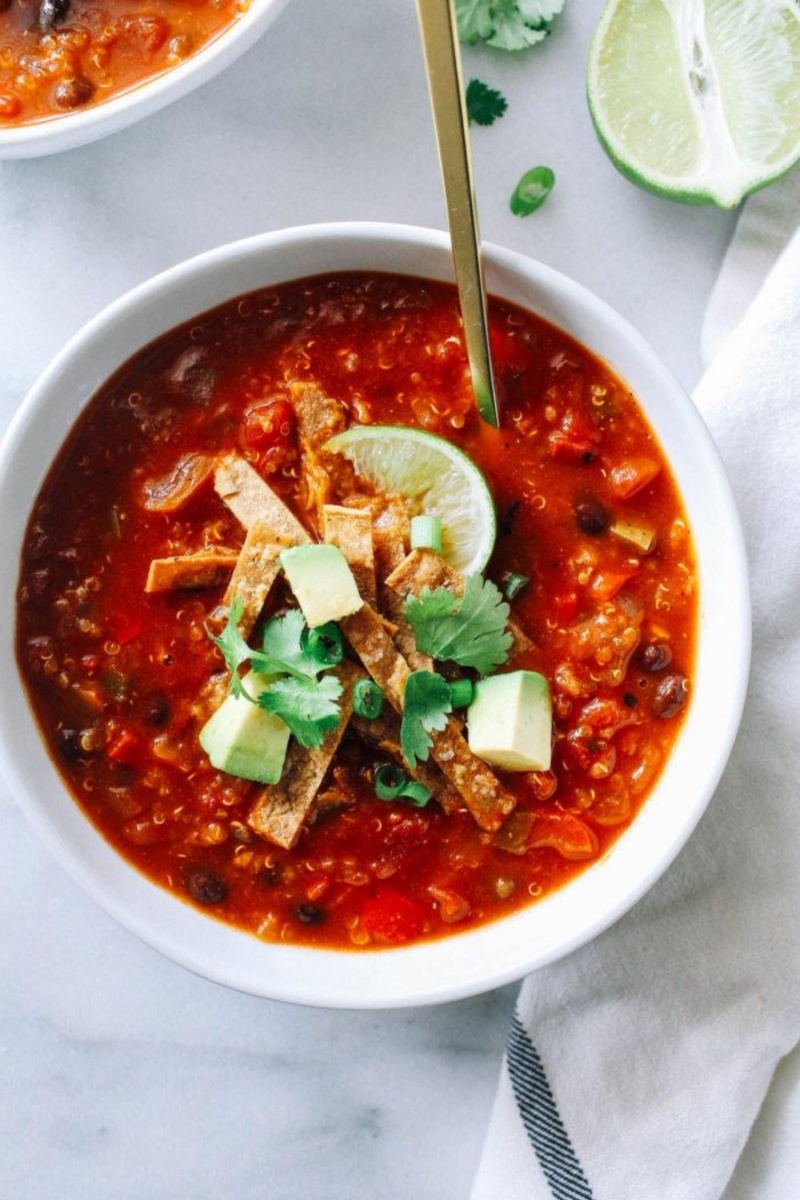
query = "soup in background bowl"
x=363 y=873
x=74 y=71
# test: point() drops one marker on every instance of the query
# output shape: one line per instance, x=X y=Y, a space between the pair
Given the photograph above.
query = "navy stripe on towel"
x=541 y=1119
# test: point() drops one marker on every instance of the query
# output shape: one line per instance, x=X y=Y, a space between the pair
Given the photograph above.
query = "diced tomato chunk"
x=317 y=886
x=124 y=747
x=509 y=352
x=125 y=627
x=389 y=917
x=566 y=834
x=575 y=439
x=606 y=584
x=565 y=608
x=631 y=476
x=148 y=33
x=269 y=425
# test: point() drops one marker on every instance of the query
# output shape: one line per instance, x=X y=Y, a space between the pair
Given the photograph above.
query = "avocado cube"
x=244 y=740
x=322 y=581
x=510 y=721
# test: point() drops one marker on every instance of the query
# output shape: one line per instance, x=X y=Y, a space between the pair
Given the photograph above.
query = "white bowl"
x=473 y=961
x=70 y=129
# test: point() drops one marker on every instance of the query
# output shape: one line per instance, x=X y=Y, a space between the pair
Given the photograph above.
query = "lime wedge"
x=436 y=478
x=698 y=100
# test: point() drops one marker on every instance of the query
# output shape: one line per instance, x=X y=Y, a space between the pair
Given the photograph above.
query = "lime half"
x=698 y=100
x=435 y=477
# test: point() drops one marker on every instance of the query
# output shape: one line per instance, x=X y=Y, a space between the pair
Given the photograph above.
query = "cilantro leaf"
x=469 y=630
x=475 y=20
x=484 y=104
x=426 y=703
x=506 y=24
x=232 y=646
x=283 y=650
x=308 y=706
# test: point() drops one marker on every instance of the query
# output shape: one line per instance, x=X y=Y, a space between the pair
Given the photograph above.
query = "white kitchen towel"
x=763 y=231
x=636 y=1067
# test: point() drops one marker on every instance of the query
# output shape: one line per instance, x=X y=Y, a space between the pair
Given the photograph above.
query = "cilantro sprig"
x=308 y=706
x=426 y=705
x=485 y=105
x=303 y=701
x=506 y=24
x=470 y=630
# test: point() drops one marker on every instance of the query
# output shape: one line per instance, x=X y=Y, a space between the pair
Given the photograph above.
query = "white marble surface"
x=121 y=1075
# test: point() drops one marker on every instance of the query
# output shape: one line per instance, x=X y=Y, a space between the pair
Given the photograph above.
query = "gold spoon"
x=437 y=22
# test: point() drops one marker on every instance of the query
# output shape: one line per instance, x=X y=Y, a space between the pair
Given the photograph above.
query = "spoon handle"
x=440 y=41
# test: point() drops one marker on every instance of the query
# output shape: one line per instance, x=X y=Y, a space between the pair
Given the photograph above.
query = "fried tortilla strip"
x=383 y=732
x=280 y=810
x=482 y=792
x=257 y=568
x=404 y=637
x=392 y=535
x=319 y=416
x=206 y=568
x=351 y=530
x=427 y=569
x=250 y=499
x=367 y=634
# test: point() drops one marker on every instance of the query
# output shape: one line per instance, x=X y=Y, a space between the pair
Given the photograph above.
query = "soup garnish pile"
x=291 y=666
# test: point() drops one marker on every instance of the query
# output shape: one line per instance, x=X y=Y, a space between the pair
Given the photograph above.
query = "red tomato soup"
x=592 y=549
x=59 y=56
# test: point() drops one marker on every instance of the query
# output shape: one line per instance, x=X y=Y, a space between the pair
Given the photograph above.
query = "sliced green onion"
x=389 y=781
x=325 y=644
x=461 y=693
x=367 y=699
x=426 y=534
x=532 y=190
x=514 y=585
x=415 y=793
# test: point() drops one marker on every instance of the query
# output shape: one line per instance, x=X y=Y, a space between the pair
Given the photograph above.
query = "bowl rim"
x=419 y=974
x=65 y=131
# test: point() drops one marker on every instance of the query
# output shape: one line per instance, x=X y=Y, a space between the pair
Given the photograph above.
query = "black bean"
x=72 y=93
x=507 y=524
x=654 y=656
x=206 y=886
x=310 y=914
x=629 y=700
x=51 y=12
x=670 y=696
x=69 y=745
x=156 y=710
x=591 y=516
x=269 y=876
x=124 y=776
